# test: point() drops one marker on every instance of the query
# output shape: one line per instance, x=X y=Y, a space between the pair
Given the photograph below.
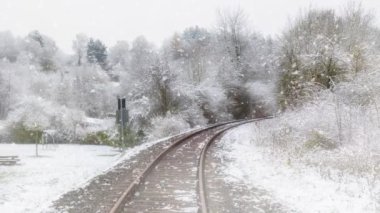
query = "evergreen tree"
x=97 y=53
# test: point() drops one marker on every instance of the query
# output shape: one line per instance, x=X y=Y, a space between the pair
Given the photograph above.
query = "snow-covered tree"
x=42 y=50
x=321 y=48
x=191 y=52
x=4 y=96
x=80 y=48
x=232 y=36
x=119 y=54
x=9 y=46
x=97 y=53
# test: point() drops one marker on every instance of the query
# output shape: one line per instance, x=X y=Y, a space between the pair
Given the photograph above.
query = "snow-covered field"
x=297 y=186
x=32 y=185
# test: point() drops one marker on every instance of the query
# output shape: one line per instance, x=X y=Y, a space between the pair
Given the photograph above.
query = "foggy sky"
x=113 y=20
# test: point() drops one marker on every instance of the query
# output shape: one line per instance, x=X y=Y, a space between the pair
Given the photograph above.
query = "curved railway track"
x=175 y=180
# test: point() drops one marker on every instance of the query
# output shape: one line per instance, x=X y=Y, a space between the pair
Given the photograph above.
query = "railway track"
x=175 y=180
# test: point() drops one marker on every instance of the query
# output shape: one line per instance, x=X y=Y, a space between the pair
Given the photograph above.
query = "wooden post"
x=36 y=144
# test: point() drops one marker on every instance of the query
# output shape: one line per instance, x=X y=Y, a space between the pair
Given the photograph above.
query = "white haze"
x=113 y=20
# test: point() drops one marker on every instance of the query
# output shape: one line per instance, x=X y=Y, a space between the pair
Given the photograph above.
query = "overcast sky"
x=112 y=20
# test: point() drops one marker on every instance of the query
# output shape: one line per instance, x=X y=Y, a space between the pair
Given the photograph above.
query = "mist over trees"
x=197 y=77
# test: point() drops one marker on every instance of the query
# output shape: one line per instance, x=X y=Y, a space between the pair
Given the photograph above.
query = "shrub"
x=19 y=133
x=165 y=126
x=131 y=138
x=319 y=141
x=107 y=138
x=99 y=138
x=320 y=49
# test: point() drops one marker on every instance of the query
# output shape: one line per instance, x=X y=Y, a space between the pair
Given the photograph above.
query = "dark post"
x=121 y=118
x=118 y=103
x=123 y=103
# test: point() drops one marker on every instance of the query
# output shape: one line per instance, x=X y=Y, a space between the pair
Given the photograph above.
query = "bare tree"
x=80 y=48
x=119 y=54
x=233 y=36
x=322 y=47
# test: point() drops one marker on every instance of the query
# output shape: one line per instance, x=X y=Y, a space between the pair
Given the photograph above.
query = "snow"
x=33 y=184
x=297 y=186
x=37 y=181
x=94 y=124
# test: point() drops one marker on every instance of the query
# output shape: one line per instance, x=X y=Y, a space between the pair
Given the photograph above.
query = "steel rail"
x=119 y=205
x=201 y=167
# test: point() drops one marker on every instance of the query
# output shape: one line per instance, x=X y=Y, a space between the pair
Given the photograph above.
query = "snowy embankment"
x=307 y=183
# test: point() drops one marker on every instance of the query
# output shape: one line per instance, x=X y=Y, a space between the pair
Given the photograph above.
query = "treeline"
x=196 y=77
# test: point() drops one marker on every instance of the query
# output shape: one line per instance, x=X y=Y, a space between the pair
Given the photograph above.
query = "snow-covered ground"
x=297 y=186
x=2 y=127
x=33 y=184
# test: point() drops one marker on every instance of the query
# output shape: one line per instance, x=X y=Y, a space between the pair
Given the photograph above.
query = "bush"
x=131 y=138
x=19 y=133
x=109 y=139
x=165 y=126
x=99 y=138
x=321 y=49
x=319 y=141
x=238 y=102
